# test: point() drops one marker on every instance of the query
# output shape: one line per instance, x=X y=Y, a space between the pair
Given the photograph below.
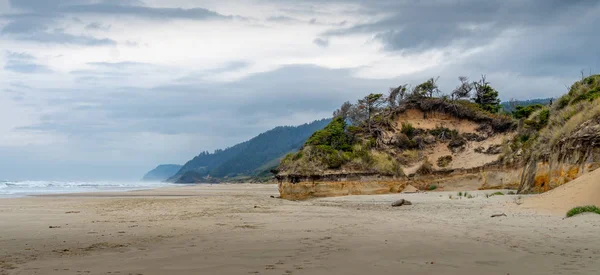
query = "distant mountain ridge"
x=162 y=172
x=249 y=160
x=510 y=106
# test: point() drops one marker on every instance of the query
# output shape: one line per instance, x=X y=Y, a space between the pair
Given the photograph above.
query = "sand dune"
x=582 y=191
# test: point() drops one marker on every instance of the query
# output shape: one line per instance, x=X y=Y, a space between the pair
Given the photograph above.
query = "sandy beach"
x=240 y=229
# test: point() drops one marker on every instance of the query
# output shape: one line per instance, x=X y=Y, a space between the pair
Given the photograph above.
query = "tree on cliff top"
x=486 y=96
x=396 y=95
x=370 y=106
x=463 y=90
x=343 y=111
x=427 y=88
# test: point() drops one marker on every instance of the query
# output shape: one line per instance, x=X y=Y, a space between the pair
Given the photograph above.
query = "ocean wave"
x=47 y=187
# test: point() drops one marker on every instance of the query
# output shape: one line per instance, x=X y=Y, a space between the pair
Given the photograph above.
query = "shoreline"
x=86 y=191
x=240 y=229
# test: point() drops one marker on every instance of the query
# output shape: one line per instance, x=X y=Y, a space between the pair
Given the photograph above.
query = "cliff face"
x=490 y=177
x=570 y=158
x=566 y=140
x=430 y=147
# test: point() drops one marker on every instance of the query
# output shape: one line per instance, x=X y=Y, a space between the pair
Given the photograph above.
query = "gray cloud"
x=97 y=26
x=192 y=108
x=24 y=67
x=421 y=25
x=127 y=8
x=118 y=65
x=36 y=28
x=27 y=23
x=141 y=11
x=58 y=36
x=20 y=62
x=321 y=42
x=283 y=19
x=19 y=56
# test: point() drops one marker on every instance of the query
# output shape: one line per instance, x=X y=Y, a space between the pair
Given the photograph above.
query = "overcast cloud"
x=93 y=89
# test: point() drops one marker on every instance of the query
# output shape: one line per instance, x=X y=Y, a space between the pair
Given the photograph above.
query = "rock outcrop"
x=571 y=157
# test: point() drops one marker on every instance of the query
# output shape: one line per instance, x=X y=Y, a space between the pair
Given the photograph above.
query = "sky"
x=108 y=89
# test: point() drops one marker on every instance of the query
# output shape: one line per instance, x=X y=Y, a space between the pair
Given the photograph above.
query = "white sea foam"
x=24 y=188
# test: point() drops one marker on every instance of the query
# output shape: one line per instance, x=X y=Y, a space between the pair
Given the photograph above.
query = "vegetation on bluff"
x=560 y=120
x=543 y=127
x=564 y=132
x=362 y=137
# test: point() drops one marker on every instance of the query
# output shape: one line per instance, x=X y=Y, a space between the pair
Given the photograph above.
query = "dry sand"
x=410 y=189
x=239 y=229
x=582 y=191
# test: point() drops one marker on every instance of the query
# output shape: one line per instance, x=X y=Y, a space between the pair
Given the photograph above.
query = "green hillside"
x=161 y=172
x=248 y=160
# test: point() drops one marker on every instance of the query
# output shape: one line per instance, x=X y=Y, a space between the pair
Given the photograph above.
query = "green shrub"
x=403 y=142
x=563 y=102
x=525 y=111
x=543 y=118
x=444 y=161
x=333 y=135
x=539 y=119
x=443 y=133
x=588 y=89
x=353 y=130
x=298 y=155
x=497 y=194
x=364 y=155
x=589 y=96
x=457 y=142
x=288 y=158
x=426 y=168
x=330 y=157
x=583 y=209
x=523 y=138
x=371 y=143
x=386 y=165
x=408 y=130
x=432 y=187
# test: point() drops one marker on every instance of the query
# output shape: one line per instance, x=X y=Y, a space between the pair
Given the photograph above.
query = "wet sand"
x=240 y=229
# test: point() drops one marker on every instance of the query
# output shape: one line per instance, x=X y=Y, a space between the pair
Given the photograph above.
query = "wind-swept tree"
x=463 y=90
x=486 y=96
x=396 y=95
x=427 y=88
x=366 y=108
x=343 y=111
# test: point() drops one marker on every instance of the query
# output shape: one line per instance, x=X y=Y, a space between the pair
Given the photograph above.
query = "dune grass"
x=583 y=209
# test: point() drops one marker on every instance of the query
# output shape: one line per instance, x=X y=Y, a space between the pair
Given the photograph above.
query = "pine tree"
x=486 y=96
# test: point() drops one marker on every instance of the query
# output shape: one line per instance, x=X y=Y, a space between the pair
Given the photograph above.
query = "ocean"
x=11 y=189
